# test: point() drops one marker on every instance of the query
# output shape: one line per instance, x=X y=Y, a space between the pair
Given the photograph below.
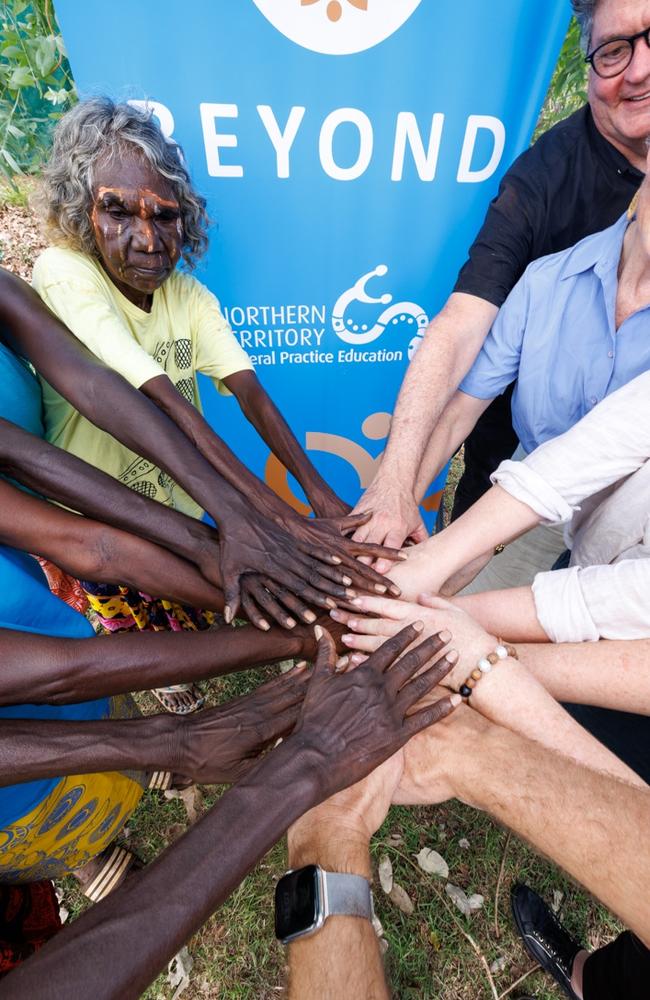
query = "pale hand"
x=436 y=757
x=439 y=616
x=357 y=812
x=395 y=519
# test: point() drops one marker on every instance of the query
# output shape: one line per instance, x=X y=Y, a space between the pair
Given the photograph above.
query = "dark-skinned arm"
x=60 y=476
x=249 y=540
x=71 y=481
x=215 y=746
x=317 y=533
x=260 y=410
x=60 y=671
x=90 y=550
x=349 y=724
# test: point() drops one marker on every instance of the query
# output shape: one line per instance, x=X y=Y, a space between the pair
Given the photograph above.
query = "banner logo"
x=295 y=333
x=399 y=312
x=337 y=27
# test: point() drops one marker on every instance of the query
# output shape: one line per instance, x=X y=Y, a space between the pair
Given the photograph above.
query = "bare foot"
x=179 y=699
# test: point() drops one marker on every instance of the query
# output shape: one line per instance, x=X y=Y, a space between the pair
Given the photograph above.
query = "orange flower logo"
x=334 y=9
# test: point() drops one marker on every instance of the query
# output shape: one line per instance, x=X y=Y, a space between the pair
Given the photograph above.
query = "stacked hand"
x=364 y=713
x=310 y=559
x=366 y=634
x=396 y=518
x=219 y=745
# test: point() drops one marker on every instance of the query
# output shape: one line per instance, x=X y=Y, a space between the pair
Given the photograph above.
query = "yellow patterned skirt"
x=75 y=821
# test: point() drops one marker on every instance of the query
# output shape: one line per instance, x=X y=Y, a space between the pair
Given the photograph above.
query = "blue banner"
x=348 y=150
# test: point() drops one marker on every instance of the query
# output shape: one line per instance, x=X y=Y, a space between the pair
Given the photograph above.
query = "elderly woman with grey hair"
x=120 y=209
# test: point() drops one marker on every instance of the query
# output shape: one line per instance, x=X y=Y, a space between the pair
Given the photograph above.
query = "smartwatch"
x=306 y=897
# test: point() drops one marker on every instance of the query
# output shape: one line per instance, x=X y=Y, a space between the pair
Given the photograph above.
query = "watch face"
x=296 y=902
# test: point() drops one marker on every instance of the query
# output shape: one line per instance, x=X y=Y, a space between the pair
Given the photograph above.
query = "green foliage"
x=568 y=89
x=36 y=84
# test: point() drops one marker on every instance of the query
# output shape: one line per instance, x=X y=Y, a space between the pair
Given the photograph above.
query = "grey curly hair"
x=93 y=131
x=584 y=11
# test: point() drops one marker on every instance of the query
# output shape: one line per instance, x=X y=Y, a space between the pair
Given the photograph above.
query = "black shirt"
x=570 y=184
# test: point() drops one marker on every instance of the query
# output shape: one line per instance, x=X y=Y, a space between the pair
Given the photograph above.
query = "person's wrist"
x=335 y=846
x=472 y=778
x=469 y=661
x=487 y=695
x=162 y=741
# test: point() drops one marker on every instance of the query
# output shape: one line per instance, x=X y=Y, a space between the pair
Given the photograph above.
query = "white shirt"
x=595 y=478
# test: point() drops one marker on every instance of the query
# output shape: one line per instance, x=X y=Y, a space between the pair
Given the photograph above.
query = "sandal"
x=168 y=781
x=114 y=863
x=193 y=701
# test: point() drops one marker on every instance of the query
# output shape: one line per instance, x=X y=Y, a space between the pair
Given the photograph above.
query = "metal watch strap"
x=347 y=895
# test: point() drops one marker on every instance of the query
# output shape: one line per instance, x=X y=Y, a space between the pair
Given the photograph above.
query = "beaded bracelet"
x=484 y=665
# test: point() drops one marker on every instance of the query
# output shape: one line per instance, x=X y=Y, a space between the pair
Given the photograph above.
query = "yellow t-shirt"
x=184 y=333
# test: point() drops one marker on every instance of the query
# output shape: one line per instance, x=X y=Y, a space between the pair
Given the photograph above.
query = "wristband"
x=484 y=666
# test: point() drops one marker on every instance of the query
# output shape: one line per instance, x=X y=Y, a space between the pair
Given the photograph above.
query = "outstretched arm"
x=60 y=671
x=68 y=480
x=496 y=518
x=336 y=835
x=544 y=798
x=451 y=343
x=258 y=407
x=213 y=746
x=508 y=694
x=93 y=551
x=348 y=725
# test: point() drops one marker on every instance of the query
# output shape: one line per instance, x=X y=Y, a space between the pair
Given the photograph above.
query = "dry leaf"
x=432 y=862
x=193 y=801
x=458 y=898
x=464 y=843
x=401 y=899
x=395 y=839
x=498 y=965
x=386 y=874
x=178 y=972
x=557 y=900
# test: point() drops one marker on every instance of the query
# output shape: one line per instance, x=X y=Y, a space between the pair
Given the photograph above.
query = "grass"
x=429 y=955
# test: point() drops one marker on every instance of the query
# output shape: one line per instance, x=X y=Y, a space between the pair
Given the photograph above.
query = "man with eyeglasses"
x=576 y=180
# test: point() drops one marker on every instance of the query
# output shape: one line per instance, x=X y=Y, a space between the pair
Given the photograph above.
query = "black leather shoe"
x=544 y=937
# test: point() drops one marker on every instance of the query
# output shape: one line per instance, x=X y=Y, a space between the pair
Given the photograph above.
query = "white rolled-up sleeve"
x=608 y=444
x=595 y=602
x=524 y=483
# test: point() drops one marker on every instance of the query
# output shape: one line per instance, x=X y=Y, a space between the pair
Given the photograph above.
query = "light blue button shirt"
x=556 y=335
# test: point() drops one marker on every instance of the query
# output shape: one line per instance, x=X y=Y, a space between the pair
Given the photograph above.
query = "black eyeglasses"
x=614 y=57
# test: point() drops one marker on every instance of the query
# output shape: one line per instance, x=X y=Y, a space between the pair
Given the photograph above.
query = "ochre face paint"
x=137 y=226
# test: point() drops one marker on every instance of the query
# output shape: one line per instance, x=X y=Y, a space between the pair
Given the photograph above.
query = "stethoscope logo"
x=354 y=333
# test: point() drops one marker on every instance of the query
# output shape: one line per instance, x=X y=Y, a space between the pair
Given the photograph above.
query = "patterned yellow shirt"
x=184 y=333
